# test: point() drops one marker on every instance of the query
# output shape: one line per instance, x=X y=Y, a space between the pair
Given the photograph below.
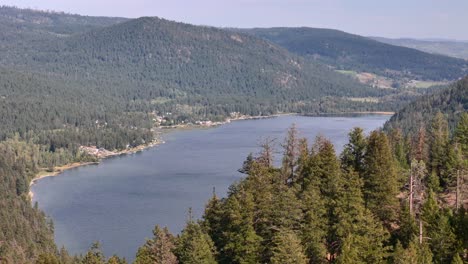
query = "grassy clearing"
x=423 y=84
x=364 y=99
x=349 y=73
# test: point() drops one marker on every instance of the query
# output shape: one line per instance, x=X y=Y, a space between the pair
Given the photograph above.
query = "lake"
x=119 y=201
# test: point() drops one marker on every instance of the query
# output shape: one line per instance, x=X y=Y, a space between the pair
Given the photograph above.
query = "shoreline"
x=166 y=129
x=60 y=169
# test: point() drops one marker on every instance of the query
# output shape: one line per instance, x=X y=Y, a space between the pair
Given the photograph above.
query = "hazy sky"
x=387 y=18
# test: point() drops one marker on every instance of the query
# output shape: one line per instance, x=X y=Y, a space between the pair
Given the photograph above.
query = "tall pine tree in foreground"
x=353 y=152
x=194 y=246
x=380 y=178
x=356 y=235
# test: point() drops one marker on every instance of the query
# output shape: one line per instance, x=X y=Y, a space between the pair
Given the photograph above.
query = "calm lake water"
x=119 y=201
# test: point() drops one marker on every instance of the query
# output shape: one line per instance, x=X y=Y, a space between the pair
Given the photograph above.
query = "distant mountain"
x=52 y=22
x=453 y=48
x=346 y=51
x=451 y=101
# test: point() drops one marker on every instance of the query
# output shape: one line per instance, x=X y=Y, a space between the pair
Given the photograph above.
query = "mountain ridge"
x=346 y=51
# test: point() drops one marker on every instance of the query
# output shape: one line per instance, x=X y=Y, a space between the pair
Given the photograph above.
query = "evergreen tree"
x=353 y=224
x=47 y=258
x=94 y=255
x=247 y=164
x=460 y=223
x=314 y=226
x=349 y=253
x=214 y=221
x=456 y=259
x=287 y=249
x=303 y=166
x=324 y=168
x=461 y=134
x=194 y=246
x=157 y=250
x=116 y=260
x=380 y=178
x=408 y=227
x=290 y=155
x=438 y=230
x=399 y=147
x=439 y=137
x=239 y=243
x=415 y=253
x=353 y=152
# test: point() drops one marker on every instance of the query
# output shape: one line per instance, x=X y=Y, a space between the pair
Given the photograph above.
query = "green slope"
x=352 y=52
x=147 y=59
x=451 y=101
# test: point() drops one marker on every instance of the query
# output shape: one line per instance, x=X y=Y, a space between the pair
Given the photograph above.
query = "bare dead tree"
x=266 y=154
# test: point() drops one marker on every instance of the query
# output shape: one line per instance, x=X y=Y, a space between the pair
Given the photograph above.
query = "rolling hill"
x=457 y=49
x=346 y=51
x=159 y=65
x=451 y=101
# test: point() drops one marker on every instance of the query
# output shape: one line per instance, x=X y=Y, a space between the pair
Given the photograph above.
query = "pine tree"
x=314 y=226
x=399 y=147
x=214 y=222
x=461 y=227
x=325 y=168
x=303 y=166
x=287 y=249
x=47 y=258
x=353 y=152
x=247 y=164
x=461 y=134
x=419 y=146
x=116 y=260
x=290 y=155
x=439 y=137
x=353 y=222
x=239 y=242
x=438 y=230
x=408 y=227
x=159 y=249
x=194 y=246
x=94 y=255
x=415 y=253
x=456 y=259
x=380 y=178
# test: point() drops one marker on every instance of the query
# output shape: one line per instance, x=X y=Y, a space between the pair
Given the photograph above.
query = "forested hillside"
x=95 y=77
x=346 y=51
x=452 y=102
x=154 y=58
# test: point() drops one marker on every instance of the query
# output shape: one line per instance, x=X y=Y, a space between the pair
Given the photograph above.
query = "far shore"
x=44 y=173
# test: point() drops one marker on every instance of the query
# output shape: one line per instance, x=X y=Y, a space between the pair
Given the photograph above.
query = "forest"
x=452 y=101
x=353 y=52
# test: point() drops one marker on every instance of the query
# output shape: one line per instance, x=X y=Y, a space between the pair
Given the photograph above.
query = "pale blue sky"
x=387 y=18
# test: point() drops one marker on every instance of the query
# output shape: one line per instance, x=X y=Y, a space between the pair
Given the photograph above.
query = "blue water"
x=119 y=201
